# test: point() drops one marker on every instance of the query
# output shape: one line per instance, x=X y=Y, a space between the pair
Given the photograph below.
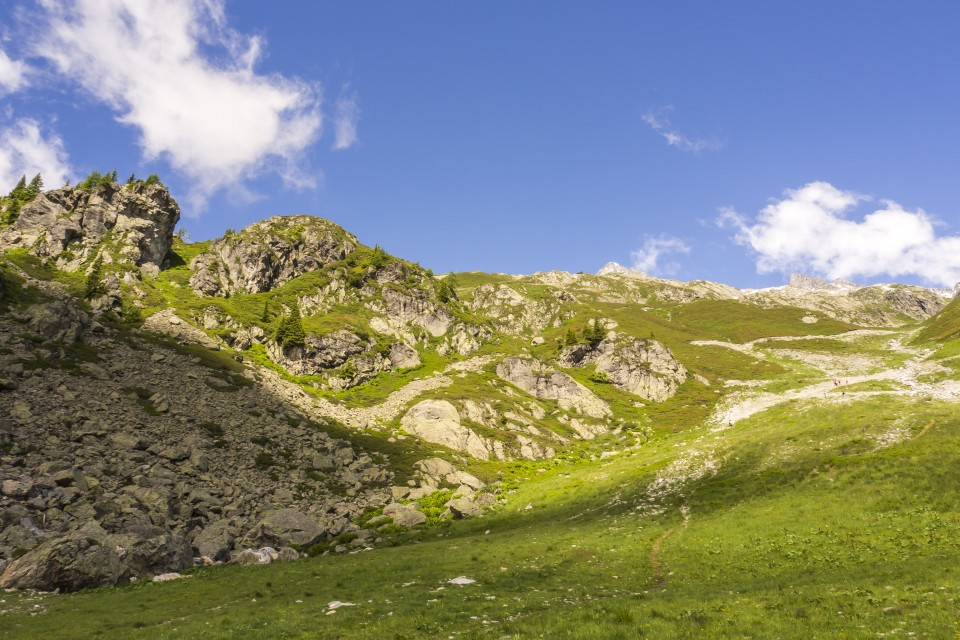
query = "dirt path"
x=925 y=429
x=746 y=403
x=659 y=577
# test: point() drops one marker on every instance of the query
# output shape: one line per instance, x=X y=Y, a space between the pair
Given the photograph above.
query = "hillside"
x=610 y=455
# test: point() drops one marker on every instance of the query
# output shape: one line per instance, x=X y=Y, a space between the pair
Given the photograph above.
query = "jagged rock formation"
x=542 y=381
x=134 y=224
x=644 y=368
x=267 y=254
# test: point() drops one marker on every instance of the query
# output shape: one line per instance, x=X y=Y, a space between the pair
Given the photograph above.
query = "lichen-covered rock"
x=644 y=368
x=542 y=381
x=133 y=222
x=268 y=254
x=438 y=421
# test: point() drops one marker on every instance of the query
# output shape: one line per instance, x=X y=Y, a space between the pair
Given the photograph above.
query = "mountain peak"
x=616 y=269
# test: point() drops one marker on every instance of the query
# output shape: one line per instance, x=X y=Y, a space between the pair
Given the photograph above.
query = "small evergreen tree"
x=153 y=179
x=265 y=316
x=378 y=258
x=290 y=333
x=593 y=332
x=132 y=178
x=17 y=192
x=571 y=338
x=93 y=286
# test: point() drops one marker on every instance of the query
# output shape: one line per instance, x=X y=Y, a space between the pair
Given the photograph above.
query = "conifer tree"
x=93 y=287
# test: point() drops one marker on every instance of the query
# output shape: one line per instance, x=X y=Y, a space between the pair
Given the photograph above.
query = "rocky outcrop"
x=413 y=307
x=319 y=353
x=514 y=313
x=268 y=254
x=134 y=224
x=544 y=382
x=644 y=368
x=91 y=557
x=438 y=421
x=169 y=323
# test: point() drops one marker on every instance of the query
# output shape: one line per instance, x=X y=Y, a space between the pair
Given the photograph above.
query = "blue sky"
x=734 y=142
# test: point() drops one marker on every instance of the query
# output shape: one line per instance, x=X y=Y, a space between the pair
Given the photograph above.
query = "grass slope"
x=802 y=522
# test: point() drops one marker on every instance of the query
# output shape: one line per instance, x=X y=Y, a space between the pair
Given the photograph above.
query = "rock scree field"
x=284 y=433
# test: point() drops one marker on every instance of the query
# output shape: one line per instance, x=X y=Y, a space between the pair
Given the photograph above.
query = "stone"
x=463 y=508
x=438 y=421
x=285 y=527
x=404 y=515
x=215 y=541
x=541 y=381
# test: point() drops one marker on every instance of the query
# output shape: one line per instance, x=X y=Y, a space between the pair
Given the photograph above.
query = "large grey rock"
x=286 y=527
x=268 y=254
x=138 y=220
x=438 y=421
x=59 y=321
x=90 y=557
x=541 y=381
x=404 y=515
x=215 y=541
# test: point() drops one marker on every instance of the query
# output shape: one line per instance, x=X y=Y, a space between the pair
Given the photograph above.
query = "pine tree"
x=93 y=287
x=17 y=192
x=36 y=186
x=571 y=338
x=265 y=316
x=290 y=332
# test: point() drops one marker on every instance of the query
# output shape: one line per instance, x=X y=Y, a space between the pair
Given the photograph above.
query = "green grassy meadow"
x=839 y=521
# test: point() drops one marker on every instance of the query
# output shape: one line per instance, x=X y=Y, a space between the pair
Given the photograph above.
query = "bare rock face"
x=438 y=421
x=68 y=224
x=268 y=254
x=544 y=382
x=410 y=308
x=644 y=368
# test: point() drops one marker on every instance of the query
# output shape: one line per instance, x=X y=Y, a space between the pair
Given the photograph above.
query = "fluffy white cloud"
x=345 y=122
x=648 y=257
x=811 y=230
x=659 y=122
x=175 y=70
x=11 y=73
x=25 y=151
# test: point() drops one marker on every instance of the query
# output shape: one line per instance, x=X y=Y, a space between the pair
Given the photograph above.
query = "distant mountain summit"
x=615 y=269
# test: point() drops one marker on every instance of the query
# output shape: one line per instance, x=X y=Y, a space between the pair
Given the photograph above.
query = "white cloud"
x=811 y=230
x=11 y=74
x=648 y=257
x=175 y=71
x=659 y=122
x=345 y=122
x=25 y=151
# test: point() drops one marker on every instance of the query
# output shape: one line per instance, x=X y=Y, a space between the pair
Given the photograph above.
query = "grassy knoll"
x=801 y=522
